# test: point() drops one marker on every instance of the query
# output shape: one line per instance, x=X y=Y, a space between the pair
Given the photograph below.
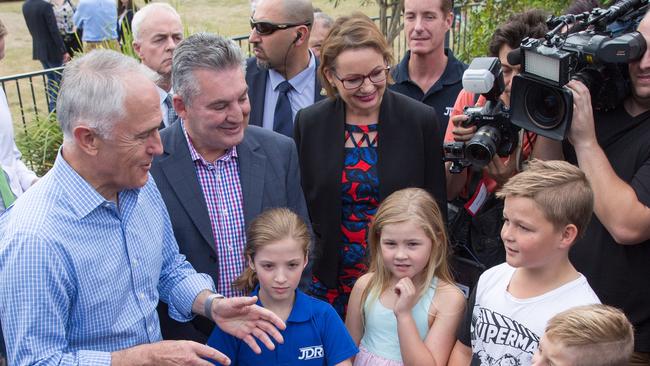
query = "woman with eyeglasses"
x=356 y=148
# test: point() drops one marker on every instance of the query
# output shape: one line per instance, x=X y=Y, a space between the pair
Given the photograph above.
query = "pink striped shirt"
x=223 y=196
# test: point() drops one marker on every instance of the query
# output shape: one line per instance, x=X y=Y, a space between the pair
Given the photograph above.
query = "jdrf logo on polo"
x=309 y=353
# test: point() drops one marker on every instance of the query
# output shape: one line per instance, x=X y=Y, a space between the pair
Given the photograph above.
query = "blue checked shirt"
x=81 y=277
x=223 y=197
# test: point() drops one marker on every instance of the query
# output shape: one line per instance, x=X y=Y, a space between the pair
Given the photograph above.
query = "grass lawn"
x=226 y=17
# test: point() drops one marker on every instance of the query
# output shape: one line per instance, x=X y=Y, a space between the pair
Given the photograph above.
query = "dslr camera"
x=494 y=132
x=597 y=56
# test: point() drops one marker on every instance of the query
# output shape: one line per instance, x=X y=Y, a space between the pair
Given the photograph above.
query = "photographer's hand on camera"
x=615 y=202
x=498 y=169
x=461 y=133
x=582 y=134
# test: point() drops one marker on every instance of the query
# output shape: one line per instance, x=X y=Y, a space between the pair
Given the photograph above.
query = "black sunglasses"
x=266 y=28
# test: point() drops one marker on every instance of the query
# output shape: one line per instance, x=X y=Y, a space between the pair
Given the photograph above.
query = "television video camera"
x=597 y=56
x=494 y=132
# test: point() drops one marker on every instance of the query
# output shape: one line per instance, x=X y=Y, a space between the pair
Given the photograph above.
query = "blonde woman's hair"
x=269 y=227
x=560 y=189
x=595 y=335
x=408 y=205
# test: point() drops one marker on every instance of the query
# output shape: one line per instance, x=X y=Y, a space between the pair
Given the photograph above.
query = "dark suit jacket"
x=256 y=80
x=124 y=26
x=47 y=43
x=269 y=176
x=409 y=155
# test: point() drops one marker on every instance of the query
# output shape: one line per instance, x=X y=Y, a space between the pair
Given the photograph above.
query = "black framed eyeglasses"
x=375 y=76
x=266 y=28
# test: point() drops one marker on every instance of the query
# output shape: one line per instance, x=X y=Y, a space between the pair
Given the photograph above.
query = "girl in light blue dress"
x=406 y=309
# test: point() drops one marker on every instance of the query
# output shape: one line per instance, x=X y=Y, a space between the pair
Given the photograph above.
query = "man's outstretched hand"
x=242 y=318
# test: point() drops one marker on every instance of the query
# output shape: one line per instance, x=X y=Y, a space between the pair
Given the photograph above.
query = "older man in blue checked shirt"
x=86 y=254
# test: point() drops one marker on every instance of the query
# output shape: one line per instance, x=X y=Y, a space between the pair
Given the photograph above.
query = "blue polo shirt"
x=315 y=335
x=441 y=95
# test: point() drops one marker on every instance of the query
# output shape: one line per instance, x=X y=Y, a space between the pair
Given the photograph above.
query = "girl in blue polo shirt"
x=277 y=249
x=405 y=310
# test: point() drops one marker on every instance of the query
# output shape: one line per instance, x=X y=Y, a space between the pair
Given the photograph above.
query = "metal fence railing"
x=28 y=99
x=27 y=94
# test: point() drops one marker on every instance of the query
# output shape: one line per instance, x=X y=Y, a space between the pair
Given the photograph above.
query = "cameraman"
x=506 y=37
x=475 y=215
x=614 y=153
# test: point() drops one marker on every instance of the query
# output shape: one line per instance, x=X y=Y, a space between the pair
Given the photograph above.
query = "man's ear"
x=86 y=139
x=449 y=20
x=180 y=106
x=569 y=236
x=302 y=35
x=136 y=47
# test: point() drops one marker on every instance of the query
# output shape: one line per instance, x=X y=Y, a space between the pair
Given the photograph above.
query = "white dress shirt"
x=301 y=96
x=20 y=177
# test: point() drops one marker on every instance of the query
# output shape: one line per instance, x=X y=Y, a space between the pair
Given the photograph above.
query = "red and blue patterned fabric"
x=360 y=199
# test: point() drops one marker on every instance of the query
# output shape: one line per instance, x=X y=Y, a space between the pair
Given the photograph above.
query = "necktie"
x=8 y=196
x=171 y=112
x=283 y=119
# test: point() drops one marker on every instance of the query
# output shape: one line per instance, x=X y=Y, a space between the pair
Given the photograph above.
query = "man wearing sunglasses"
x=281 y=77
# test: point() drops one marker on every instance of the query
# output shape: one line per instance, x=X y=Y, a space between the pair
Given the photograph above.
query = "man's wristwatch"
x=207 y=305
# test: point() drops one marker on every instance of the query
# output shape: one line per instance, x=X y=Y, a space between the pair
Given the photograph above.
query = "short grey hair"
x=327 y=20
x=204 y=51
x=142 y=14
x=93 y=91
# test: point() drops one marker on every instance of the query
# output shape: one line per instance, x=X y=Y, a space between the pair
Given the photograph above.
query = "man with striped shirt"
x=216 y=173
x=86 y=253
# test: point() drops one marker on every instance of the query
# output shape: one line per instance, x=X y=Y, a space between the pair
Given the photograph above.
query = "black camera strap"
x=475 y=177
x=476 y=97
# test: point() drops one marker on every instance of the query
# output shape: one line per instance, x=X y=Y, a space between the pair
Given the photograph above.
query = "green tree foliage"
x=390 y=20
x=479 y=19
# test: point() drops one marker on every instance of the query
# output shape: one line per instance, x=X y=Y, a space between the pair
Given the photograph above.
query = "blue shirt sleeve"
x=337 y=342
x=225 y=343
x=37 y=291
x=179 y=283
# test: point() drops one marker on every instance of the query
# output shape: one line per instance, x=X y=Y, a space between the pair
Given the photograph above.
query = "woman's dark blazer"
x=409 y=155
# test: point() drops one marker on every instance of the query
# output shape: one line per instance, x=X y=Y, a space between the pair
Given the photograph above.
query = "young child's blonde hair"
x=595 y=335
x=560 y=189
x=269 y=227
x=415 y=205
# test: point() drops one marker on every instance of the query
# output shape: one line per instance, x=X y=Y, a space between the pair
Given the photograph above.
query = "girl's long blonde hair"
x=271 y=226
x=415 y=205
